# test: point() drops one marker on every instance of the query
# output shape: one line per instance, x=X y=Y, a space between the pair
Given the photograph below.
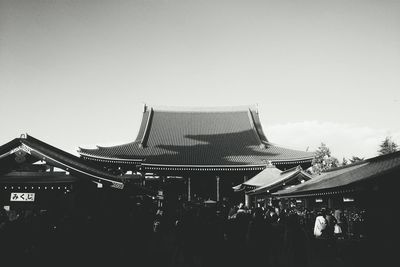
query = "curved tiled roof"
x=271 y=178
x=273 y=183
x=346 y=177
x=199 y=137
x=59 y=158
x=270 y=172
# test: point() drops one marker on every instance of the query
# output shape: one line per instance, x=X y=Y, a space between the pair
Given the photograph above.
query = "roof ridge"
x=203 y=109
x=253 y=126
x=145 y=136
x=380 y=157
x=298 y=167
x=373 y=159
x=345 y=166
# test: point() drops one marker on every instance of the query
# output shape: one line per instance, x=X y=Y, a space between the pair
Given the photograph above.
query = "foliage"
x=387 y=146
x=323 y=160
x=355 y=159
x=344 y=162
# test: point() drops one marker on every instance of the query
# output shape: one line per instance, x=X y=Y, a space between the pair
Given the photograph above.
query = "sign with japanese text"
x=30 y=197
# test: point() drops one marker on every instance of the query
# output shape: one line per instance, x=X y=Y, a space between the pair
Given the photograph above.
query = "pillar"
x=189 y=197
x=246 y=197
x=307 y=203
x=143 y=179
x=330 y=203
x=217 y=178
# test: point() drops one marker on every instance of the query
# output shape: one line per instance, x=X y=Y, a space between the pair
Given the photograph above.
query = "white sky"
x=76 y=73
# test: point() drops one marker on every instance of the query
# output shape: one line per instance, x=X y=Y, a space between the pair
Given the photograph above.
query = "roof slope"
x=346 y=176
x=268 y=174
x=270 y=178
x=60 y=158
x=199 y=137
x=285 y=177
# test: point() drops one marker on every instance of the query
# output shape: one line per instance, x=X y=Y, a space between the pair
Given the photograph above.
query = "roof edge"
x=202 y=108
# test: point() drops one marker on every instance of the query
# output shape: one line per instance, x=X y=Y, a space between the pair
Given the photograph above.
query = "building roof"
x=346 y=177
x=271 y=178
x=59 y=158
x=199 y=138
x=274 y=183
x=269 y=173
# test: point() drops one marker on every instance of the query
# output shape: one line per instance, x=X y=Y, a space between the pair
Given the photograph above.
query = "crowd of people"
x=186 y=235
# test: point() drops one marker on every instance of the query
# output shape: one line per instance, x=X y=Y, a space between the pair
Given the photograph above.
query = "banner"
x=30 y=197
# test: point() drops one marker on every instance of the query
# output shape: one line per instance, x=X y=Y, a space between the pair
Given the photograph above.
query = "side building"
x=36 y=176
x=364 y=192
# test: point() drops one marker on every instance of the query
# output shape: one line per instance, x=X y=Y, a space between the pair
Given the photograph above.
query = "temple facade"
x=197 y=152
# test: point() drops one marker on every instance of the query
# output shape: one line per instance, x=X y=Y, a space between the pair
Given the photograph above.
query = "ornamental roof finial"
x=268 y=163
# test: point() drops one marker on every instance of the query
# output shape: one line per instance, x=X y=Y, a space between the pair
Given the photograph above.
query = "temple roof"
x=346 y=177
x=199 y=137
x=28 y=145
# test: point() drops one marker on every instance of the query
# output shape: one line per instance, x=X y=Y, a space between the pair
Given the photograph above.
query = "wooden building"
x=197 y=152
x=367 y=189
x=357 y=183
x=36 y=175
x=259 y=189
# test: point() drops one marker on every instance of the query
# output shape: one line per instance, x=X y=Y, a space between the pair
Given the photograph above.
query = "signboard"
x=348 y=199
x=318 y=200
x=30 y=197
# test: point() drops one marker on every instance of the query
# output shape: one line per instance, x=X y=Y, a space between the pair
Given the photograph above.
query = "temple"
x=208 y=147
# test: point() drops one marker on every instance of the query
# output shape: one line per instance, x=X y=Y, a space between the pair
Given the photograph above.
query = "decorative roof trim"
x=100 y=158
x=114 y=183
x=291 y=161
x=297 y=168
x=259 y=168
x=130 y=161
x=313 y=194
x=253 y=126
x=145 y=137
x=22 y=147
x=204 y=166
x=5 y=154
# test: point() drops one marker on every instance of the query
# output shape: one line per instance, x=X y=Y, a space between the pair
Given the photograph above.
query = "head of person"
x=257 y=213
x=323 y=212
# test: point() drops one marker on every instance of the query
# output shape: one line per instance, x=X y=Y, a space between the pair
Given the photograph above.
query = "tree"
x=388 y=146
x=344 y=161
x=355 y=159
x=323 y=160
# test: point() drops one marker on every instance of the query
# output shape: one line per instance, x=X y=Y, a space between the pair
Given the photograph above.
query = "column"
x=246 y=197
x=189 y=197
x=307 y=203
x=217 y=178
x=330 y=203
x=143 y=179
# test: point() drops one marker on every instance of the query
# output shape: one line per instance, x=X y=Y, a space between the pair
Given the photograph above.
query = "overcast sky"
x=76 y=73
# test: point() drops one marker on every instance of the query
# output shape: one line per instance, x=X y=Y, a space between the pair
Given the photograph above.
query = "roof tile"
x=200 y=137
